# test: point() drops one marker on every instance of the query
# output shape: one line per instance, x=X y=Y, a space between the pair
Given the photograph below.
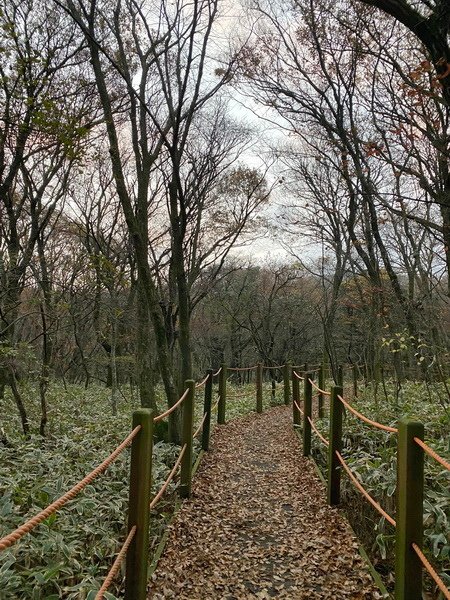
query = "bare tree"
x=45 y=117
x=149 y=67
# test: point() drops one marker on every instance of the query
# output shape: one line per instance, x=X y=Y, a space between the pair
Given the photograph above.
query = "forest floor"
x=258 y=526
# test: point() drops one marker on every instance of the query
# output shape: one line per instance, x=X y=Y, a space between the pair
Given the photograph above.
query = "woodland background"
x=129 y=176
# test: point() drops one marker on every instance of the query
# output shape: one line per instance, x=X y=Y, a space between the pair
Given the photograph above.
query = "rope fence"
x=317 y=432
x=116 y=565
x=171 y=475
x=172 y=408
x=423 y=559
x=316 y=387
x=364 y=492
x=366 y=419
x=140 y=502
x=298 y=408
x=432 y=453
x=201 y=383
x=14 y=536
x=199 y=428
x=411 y=450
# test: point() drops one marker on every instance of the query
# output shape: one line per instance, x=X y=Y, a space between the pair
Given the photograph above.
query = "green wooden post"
x=138 y=505
x=287 y=370
x=259 y=390
x=321 y=384
x=307 y=410
x=409 y=518
x=296 y=399
x=188 y=425
x=334 y=466
x=207 y=410
x=222 y=394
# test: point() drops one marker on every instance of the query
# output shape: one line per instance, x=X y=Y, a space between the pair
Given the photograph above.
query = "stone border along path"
x=258 y=526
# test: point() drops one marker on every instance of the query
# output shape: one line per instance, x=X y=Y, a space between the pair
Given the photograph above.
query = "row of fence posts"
x=136 y=575
x=410 y=471
x=259 y=369
x=141 y=467
x=410 y=478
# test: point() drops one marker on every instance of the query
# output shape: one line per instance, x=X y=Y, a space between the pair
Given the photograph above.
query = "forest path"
x=258 y=526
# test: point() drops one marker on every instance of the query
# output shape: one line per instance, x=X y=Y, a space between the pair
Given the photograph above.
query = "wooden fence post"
x=307 y=412
x=259 y=391
x=287 y=370
x=296 y=399
x=222 y=394
x=207 y=410
x=335 y=438
x=138 y=506
x=321 y=383
x=409 y=518
x=188 y=423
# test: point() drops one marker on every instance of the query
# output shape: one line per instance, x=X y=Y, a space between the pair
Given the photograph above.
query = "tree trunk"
x=45 y=371
x=20 y=405
x=144 y=352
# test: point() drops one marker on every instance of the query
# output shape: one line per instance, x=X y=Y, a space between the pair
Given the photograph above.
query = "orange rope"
x=365 y=419
x=298 y=376
x=298 y=407
x=364 y=492
x=317 y=432
x=215 y=405
x=169 y=479
x=172 y=408
x=274 y=367
x=316 y=387
x=217 y=372
x=116 y=565
x=423 y=559
x=197 y=431
x=199 y=385
x=11 y=538
x=432 y=453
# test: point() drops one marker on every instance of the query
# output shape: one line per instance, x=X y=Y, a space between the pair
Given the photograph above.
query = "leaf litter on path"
x=258 y=526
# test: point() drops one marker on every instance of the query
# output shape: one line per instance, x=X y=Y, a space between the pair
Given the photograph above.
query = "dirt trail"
x=258 y=526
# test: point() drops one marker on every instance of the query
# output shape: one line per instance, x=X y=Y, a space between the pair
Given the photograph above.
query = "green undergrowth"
x=371 y=454
x=69 y=554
